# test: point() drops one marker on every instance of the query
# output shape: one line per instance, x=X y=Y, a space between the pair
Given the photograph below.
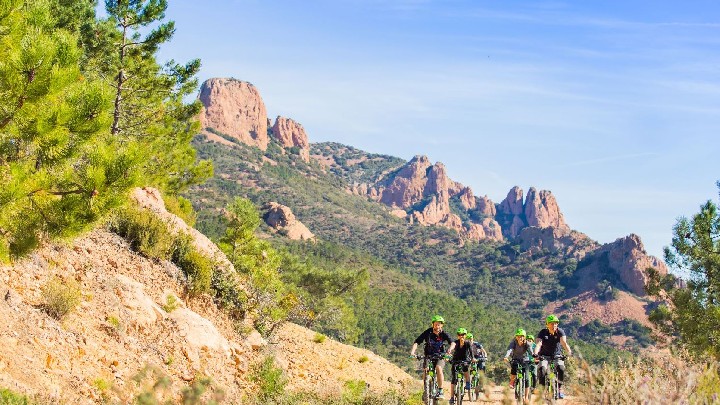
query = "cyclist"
x=548 y=343
x=533 y=364
x=434 y=339
x=519 y=351
x=461 y=352
x=480 y=357
x=478 y=351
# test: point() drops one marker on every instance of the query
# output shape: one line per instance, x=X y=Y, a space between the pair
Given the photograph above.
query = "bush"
x=181 y=207
x=363 y=359
x=171 y=303
x=145 y=232
x=60 y=296
x=319 y=338
x=270 y=380
x=194 y=264
x=8 y=397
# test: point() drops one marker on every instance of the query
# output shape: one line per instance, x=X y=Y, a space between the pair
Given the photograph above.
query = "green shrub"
x=319 y=338
x=60 y=296
x=194 y=264
x=363 y=359
x=145 y=232
x=181 y=207
x=8 y=397
x=270 y=380
x=354 y=391
x=171 y=303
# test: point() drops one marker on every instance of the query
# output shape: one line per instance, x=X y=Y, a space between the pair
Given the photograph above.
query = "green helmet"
x=462 y=331
x=469 y=336
x=437 y=318
x=552 y=319
x=531 y=337
x=520 y=332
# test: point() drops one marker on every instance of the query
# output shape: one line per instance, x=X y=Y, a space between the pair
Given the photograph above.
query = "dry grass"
x=651 y=380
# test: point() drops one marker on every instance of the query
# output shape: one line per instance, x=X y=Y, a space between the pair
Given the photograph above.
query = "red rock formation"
x=573 y=243
x=291 y=134
x=513 y=203
x=467 y=199
x=541 y=210
x=628 y=258
x=486 y=207
x=408 y=186
x=234 y=108
x=281 y=218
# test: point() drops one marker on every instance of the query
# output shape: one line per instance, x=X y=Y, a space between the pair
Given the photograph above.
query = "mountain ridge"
x=342 y=193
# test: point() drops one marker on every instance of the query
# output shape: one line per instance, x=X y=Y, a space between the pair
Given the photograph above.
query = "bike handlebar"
x=555 y=357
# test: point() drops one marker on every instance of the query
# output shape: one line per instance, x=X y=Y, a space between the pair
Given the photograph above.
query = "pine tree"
x=60 y=169
x=148 y=98
x=693 y=313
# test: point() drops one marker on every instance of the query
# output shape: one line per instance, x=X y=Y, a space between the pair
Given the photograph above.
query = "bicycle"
x=552 y=384
x=521 y=379
x=476 y=382
x=430 y=387
x=458 y=369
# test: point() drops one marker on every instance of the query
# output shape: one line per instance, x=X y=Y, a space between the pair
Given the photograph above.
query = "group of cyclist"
x=533 y=353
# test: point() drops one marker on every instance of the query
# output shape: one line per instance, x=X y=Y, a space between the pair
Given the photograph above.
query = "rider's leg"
x=542 y=371
x=439 y=373
x=560 y=369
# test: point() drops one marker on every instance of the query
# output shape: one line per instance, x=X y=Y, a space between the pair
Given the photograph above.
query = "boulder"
x=281 y=219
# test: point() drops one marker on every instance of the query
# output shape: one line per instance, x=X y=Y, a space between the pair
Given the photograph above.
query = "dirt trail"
x=499 y=394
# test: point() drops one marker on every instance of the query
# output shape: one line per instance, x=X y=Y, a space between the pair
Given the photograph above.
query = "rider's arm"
x=563 y=342
x=537 y=347
x=414 y=348
x=451 y=348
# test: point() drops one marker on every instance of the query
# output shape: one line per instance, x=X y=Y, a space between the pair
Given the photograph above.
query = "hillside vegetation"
x=415 y=271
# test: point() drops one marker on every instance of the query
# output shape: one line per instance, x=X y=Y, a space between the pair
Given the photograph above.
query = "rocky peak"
x=437 y=180
x=291 y=134
x=486 y=207
x=408 y=186
x=467 y=199
x=541 y=210
x=281 y=219
x=234 y=108
x=627 y=257
x=513 y=203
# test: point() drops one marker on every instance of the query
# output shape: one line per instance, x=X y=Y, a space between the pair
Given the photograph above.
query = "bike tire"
x=428 y=391
x=460 y=387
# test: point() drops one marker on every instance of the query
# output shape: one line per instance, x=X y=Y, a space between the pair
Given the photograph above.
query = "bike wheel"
x=521 y=392
x=461 y=390
x=427 y=391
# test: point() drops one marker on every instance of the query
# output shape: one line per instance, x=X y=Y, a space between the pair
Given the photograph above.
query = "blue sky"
x=614 y=106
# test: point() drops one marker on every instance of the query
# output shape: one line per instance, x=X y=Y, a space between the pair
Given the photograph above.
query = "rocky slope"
x=135 y=324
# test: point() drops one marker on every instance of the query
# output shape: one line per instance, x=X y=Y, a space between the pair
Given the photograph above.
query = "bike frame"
x=552 y=384
x=430 y=387
x=521 y=383
x=460 y=378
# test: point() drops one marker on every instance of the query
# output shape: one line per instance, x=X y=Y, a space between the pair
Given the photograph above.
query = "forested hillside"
x=414 y=270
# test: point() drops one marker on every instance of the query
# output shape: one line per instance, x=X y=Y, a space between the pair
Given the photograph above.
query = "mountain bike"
x=552 y=384
x=476 y=382
x=521 y=379
x=458 y=369
x=430 y=387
